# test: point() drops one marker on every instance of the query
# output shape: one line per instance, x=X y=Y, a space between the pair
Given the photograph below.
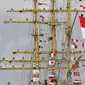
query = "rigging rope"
x=27 y=47
x=62 y=40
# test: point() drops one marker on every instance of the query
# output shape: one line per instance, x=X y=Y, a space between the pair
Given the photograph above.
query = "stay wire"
x=61 y=44
x=22 y=80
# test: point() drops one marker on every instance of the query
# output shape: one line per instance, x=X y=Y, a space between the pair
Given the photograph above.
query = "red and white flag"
x=51 y=62
x=44 y=40
x=75 y=66
x=53 y=55
x=75 y=40
x=40 y=40
x=83 y=45
x=31 y=80
x=82 y=6
x=76 y=73
x=45 y=80
x=51 y=69
x=51 y=77
x=82 y=23
x=74 y=46
x=41 y=16
x=77 y=77
x=77 y=81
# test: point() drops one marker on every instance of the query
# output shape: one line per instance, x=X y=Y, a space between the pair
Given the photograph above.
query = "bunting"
x=51 y=62
x=82 y=6
x=74 y=46
x=41 y=16
x=42 y=40
x=51 y=77
x=77 y=77
x=76 y=73
x=83 y=45
x=51 y=69
x=75 y=40
x=53 y=55
x=75 y=66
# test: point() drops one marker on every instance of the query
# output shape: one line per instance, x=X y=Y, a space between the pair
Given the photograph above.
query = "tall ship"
x=54 y=54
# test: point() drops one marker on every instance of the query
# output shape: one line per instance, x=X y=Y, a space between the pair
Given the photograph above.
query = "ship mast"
x=68 y=33
x=36 y=41
x=37 y=52
x=53 y=37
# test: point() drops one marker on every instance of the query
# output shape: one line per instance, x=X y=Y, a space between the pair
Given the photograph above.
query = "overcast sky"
x=17 y=36
x=11 y=37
